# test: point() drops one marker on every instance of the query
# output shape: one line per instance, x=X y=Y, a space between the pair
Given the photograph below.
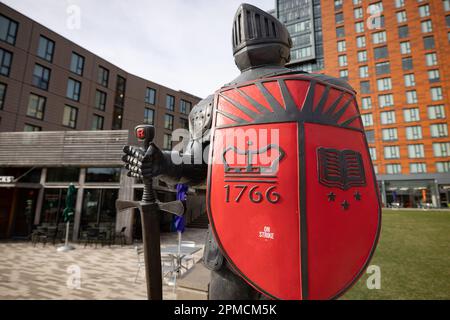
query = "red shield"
x=292 y=196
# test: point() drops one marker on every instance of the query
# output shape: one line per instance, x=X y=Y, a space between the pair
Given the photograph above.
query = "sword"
x=150 y=209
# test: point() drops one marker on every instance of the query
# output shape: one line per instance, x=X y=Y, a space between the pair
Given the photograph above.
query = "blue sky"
x=182 y=44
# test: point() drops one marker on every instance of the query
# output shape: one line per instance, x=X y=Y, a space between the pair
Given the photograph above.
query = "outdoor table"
x=178 y=256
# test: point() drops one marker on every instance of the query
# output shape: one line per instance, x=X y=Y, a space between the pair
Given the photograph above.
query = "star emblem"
x=331 y=196
x=357 y=196
x=345 y=204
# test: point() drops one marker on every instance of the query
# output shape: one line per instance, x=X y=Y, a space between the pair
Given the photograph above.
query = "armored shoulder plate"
x=200 y=119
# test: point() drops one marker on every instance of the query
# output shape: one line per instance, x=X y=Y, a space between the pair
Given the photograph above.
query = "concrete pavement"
x=40 y=272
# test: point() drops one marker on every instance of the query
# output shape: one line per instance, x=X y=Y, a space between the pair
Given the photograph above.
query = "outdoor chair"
x=168 y=268
x=39 y=235
x=190 y=257
x=121 y=236
x=92 y=236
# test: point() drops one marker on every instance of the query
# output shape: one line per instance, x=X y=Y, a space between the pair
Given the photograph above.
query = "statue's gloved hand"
x=144 y=164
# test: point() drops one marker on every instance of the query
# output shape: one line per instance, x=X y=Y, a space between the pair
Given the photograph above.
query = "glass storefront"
x=64 y=174
x=409 y=194
x=102 y=175
x=99 y=208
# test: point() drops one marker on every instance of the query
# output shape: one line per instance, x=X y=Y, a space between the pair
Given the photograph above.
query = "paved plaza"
x=40 y=272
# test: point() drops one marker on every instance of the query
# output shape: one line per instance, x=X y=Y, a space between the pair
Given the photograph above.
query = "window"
x=168 y=121
x=443 y=166
x=121 y=85
x=436 y=112
x=338 y=4
x=392 y=152
x=103 y=76
x=418 y=167
x=365 y=86
x=150 y=96
x=100 y=100
x=405 y=47
x=341 y=46
x=167 y=143
x=401 y=16
x=102 y=175
x=358 y=13
x=385 y=100
x=5 y=62
x=416 y=151
x=339 y=18
x=382 y=68
x=367 y=119
x=379 y=37
x=426 y=26
x=117 y=118
x=393 y=168
x=73 y=89
x=370 y=136
x=46 y=48
x=149 y=116
x=380 y=53
x=356 y=2
x=439 y=130
x=389 y=134
x=373 y=154
x=301 y=53
x=403 y=32
x=70 y=117
x=375 y=7
x=41 y=77
x=384 y=84
x=36 y=106
x=399 y=3
x=366 y=103
x=97 y=122
x=431 y=59
x=411 y=96
x=407 y=63
x=185 y=106
x=340 y=32
x=441 y=149
x=184 y=123
x=446 y=5
x=436 y=93
x=30 y=128
x=170 y=102
x=364 y=72
x=361 y=42
x=343 y=74
x=411 y=115
x=8 y=30
x=410 y=80
x=362 y=56
x=359 y=27
x=77 y=64
x=2 y=95
x=424 y=11
x=414 y=133
x=342 y=59
x=447 y=21
x=428 y=43
x=387 y=117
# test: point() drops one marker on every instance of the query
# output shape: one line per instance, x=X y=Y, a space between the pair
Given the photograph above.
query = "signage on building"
x=6 y=179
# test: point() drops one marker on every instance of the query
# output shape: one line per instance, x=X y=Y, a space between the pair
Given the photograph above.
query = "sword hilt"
x=146 y=133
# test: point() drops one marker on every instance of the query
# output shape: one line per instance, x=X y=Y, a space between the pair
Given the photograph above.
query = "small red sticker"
x=140 y=133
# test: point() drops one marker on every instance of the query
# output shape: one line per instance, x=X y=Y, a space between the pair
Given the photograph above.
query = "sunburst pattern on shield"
x=292 y=195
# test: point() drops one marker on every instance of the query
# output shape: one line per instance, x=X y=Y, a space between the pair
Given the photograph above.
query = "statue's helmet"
x=259 y=39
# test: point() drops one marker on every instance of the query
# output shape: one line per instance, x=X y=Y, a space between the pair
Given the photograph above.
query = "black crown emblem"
x=249 y=167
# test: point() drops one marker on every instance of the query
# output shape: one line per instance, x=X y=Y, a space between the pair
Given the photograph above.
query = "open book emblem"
x=340 y=168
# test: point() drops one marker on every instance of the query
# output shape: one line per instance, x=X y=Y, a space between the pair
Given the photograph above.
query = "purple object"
x=181 y=195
